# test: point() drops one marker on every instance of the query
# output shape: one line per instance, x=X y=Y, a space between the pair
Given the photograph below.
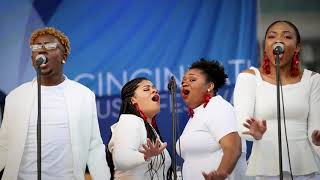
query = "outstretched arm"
x=231 y=147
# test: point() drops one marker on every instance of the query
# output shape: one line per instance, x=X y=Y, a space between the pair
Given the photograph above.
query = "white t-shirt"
x=256 y=98
x=56 y=153
x=200 y=148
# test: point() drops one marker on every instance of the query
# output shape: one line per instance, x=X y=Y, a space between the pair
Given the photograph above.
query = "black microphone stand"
x=172 y=86
x=39 y=123
x=277 y=54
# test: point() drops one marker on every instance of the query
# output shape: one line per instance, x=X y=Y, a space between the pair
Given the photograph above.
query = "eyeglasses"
x=46 y=46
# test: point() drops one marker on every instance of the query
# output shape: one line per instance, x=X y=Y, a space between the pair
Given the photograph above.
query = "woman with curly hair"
x=210 y=144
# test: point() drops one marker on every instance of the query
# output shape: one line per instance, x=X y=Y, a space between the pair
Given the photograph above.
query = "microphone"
x=278 y=48
x=41 y=59
x=172 y=85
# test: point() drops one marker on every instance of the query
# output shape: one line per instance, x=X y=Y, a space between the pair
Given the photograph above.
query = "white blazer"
x=86 y=142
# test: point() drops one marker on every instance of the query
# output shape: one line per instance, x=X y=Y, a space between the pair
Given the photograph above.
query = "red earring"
x=153 y=122
x=207 y=98
x=295 y=64
x=266 y=63
x=190 y=112
x=144 y=117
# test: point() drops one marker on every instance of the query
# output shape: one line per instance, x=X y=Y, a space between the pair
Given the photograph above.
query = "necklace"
x=154 y=131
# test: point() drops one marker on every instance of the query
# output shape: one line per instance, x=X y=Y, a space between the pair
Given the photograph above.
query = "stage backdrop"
x=113 y=41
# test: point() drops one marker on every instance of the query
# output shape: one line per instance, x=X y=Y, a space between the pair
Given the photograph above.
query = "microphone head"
x=278 y=48
x=41 y=59
x=172 y=84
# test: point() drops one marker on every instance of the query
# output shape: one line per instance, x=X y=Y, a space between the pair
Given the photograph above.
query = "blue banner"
x=114 y=41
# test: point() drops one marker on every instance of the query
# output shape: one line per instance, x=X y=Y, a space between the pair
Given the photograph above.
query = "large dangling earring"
x=153 y=122
x=266 y=63
x=144 y=117
x=207 y=98
x=190 y=112
x=295 y=64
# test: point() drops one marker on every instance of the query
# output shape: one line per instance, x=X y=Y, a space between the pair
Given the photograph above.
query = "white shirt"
x=56 y=154
x=200 y=148
x=128 y=135
x=256 y=98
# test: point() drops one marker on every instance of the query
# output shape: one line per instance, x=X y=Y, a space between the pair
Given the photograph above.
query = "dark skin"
x=231 y=147
x=284 y=33
x=52 y=71
x=195 y=82
x=281 y=32
x=316 y=137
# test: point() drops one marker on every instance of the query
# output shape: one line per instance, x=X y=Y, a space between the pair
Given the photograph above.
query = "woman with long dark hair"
x=135 y=149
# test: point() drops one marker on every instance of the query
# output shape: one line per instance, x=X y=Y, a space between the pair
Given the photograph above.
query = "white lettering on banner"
x=141 y=71
x=84 y=76
x=158 y=77
x=237 y=63
x=109 y=84
x=110 y=78
x=168 y=74
x=166 y=103
x=100 y=82
x=107 y=107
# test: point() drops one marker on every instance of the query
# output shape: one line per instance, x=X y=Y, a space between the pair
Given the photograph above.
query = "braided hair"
x=127 y=107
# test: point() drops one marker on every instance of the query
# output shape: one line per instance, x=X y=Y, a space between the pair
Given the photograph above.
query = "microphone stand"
x=39 y=123
x=172 y=86
x=279 y=113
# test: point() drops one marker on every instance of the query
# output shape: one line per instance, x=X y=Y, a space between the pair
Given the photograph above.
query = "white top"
x=200 y=148
x=56 y=159
x=128 y=135
x=256 y=98
x=87 y=146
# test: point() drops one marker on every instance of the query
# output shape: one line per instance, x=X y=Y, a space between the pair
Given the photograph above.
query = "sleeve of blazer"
x=4 y=139
x=97 y=163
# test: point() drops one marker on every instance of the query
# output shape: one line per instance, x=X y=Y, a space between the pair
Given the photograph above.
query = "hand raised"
x=256 y=128
x=152 y=149
x=316 y=137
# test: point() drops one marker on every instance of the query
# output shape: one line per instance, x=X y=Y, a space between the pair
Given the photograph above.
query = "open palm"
x=256 y=128
x=152 y=149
